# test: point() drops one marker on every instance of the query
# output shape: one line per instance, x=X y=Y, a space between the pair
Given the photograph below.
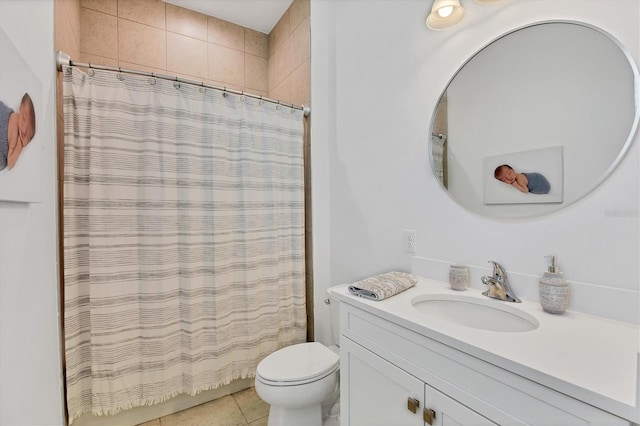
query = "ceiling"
x=259 y=15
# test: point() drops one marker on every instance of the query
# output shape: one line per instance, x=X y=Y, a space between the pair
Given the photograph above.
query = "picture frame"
x=546 y=164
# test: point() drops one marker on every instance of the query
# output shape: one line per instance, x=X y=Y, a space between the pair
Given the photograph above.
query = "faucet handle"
x=498 y=271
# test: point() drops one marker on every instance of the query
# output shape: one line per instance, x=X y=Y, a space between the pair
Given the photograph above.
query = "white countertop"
x=592 y=359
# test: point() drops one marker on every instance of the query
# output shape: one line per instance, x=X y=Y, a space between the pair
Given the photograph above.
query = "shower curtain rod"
x=64 y=59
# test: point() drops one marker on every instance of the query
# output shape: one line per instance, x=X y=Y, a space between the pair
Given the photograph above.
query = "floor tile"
x=251 y=405
x=260 y=422
x=221 y=412
x=154 y=422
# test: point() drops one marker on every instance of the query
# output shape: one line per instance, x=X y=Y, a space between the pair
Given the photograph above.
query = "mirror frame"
x=633 y=131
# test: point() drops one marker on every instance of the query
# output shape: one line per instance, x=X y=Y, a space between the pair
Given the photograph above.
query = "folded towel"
x=380 y=287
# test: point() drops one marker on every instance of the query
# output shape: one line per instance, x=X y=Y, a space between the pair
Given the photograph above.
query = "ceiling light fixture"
x=444 y=14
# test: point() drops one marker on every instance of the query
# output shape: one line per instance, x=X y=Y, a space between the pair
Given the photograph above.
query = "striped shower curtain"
x=183 y=238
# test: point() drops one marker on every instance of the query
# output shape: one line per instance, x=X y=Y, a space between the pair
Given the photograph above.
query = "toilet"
x=301 y=382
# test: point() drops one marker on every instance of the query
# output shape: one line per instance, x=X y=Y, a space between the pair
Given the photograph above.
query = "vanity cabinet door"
x=449 y=412
x=376 y=392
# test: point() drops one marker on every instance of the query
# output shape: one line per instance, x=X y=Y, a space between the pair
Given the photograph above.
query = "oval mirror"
x=535 y=120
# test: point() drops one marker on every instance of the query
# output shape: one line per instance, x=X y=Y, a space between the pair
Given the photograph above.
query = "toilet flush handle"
x=327 y=301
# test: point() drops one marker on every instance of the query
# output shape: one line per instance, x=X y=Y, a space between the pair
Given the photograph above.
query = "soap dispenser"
x=554 y=290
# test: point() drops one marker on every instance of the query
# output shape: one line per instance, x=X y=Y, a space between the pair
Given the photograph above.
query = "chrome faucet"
x=499 y=287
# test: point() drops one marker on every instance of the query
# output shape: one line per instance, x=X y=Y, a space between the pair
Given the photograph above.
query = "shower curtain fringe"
x=158 y=400
x=64 y=59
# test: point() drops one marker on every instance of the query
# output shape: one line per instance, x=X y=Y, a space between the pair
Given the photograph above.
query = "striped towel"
x=380 y=287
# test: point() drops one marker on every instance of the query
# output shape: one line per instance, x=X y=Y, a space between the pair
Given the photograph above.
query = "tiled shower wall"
x=290 y=56
x=155 y=36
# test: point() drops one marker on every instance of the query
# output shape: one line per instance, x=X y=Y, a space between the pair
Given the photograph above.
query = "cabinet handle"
x=428 y=415
x=413 y=404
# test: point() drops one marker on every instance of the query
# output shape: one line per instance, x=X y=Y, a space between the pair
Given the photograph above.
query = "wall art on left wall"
x=20 y=141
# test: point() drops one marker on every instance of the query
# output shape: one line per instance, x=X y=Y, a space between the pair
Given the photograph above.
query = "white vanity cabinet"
x=379 y=393
x=444 y=411
x=388 y=371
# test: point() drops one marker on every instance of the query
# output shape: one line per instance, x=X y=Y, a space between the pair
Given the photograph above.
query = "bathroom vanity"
x=432 y=355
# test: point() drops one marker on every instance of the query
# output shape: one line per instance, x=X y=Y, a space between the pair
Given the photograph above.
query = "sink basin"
x=489 y=314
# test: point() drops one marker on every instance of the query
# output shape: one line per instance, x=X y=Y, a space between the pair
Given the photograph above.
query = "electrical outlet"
x=409 y=241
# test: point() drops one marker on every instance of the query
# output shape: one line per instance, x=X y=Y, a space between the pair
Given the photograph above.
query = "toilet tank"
x=334 y=311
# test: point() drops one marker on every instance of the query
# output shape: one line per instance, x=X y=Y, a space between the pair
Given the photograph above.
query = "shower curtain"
x=439 y=156
x=183 y=238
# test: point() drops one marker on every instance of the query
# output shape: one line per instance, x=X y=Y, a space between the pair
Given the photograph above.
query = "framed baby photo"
x=20 y=115
x=525 y=177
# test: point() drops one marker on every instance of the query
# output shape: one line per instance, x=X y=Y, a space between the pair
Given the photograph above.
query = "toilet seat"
x=297 y=365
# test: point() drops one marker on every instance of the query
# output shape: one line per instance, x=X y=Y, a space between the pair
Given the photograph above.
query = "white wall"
x=377 y=73
x=30 y=363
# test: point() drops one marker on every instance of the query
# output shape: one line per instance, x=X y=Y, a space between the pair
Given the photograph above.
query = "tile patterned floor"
x=244 y=408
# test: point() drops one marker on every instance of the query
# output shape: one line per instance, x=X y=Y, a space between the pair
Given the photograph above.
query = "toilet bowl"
x=295 y=381
x=301 y=382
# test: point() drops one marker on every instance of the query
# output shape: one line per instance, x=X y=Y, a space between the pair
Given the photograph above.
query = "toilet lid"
x=298 y=362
